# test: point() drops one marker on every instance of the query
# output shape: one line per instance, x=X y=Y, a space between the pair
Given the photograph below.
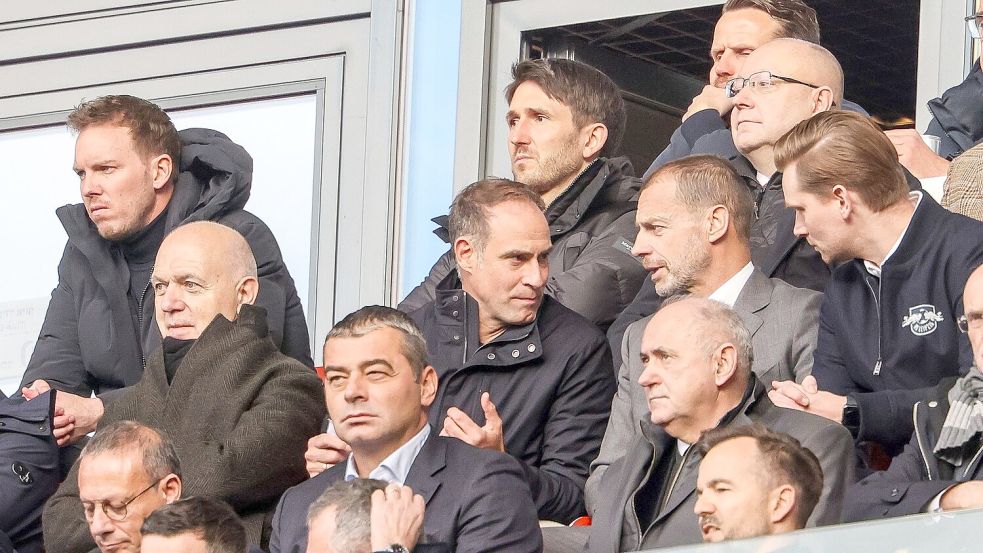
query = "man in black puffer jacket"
x=140 y=178
x=565 y=119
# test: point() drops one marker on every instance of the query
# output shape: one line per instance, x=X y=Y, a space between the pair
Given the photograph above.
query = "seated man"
x=248 y=398
x=378 y=388
x=193 y=525
x=518 y=372
x=694 y=219
x=940 y=468
x=125 y=472
x=887 y=327
x=30 y=474
x=364 y=514
x=140 y=179
x=697 y=377
x=754 y=482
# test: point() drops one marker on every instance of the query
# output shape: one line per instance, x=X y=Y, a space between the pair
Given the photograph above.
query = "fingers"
x=793 y=391
x=781 y=400
x=323 y=452
x=491 y=412
x=460 y=426
x=396 y=517
x=810 y=385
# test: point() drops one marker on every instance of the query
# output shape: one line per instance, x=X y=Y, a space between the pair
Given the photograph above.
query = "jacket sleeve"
x=573 y=433
x=620 y=428
x=805 y=336
x=57 y=357
x=902 y=489
x=685 y=136
x=63 y=521
x=604 y=278
x=424 y=293
x=828 y=367
x=243 y=469
x=499 y=514
x=833 y=446
x=646 y=302
x=277 y=291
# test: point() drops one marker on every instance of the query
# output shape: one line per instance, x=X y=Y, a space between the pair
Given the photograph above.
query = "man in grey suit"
x=697 y=376
x=378 y=388
x=694 y=219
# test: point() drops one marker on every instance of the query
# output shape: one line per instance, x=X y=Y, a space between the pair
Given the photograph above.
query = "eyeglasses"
x=966 y=322
x=113 y=512
x=975 y=24
x=762 y=81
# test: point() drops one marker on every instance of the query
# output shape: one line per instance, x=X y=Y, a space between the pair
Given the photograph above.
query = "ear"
x=781 y=504
x=428 y=386
x=822 y=99
x=161 y=168
x=594 y=136
x=466 y=255
x=844 y=201
x=724 y=364
x=170 y=487
x=719 y=219
x=246 y=291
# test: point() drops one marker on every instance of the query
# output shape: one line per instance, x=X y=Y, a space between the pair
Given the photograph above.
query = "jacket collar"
x=428 y=464
x=922 y=230
x=755 y=296
x=591 y=189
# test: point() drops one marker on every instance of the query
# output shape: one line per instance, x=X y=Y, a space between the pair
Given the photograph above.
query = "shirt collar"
x=396 y=467
x=915 y=196
x=728 y=291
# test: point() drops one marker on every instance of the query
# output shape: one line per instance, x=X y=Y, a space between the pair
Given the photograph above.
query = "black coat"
x=476 y=501
x=90 y=342
x=551 y=380
x=592 y=227
x=958 y=115
x=915 y=476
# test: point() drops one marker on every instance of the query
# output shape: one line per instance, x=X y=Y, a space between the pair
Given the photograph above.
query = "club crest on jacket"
x=922 y=319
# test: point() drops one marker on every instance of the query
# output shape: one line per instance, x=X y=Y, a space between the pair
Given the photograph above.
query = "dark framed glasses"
x=762 y=81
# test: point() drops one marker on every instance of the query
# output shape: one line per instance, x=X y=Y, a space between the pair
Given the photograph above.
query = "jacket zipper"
x=877 y=302
x=464 y=356
x=918 y=436
x=143 y=298
x=662 y=505
x=973 y=461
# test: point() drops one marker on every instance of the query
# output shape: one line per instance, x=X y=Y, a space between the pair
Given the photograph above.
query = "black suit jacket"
x=476 y=501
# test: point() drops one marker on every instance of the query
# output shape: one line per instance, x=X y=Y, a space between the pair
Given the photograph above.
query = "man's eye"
x=191 y=285
x=160 y=288
x=336 y=381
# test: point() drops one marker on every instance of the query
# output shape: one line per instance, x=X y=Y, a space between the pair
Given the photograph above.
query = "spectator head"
x=125 y=472
x=972 y=321
x=194 y=525
x=690 y=212
x=754 y=482
x=126 y=157
x=203 y=270
x=838 y=169
x=782 y=83
x=501 y=243
x=562 y=115
x=747 y=24
x=694 y=373
x=339 y=521
x=377 y=383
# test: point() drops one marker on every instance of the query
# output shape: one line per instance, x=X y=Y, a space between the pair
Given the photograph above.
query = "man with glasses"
x=940 y=468
x=126 y=471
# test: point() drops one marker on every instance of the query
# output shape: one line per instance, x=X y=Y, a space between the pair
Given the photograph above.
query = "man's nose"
x=702 y=506
x=355 y=388
x=101 y=524
x=727 y=66
x=649 y=376
x=171 y=300
x=519 y=132
x=536 y=274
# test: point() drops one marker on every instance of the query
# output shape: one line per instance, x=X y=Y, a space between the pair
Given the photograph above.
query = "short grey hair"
x=352 y=501
x=469 y=211
x=375 y=317
x=719 y=324
x=159 y=458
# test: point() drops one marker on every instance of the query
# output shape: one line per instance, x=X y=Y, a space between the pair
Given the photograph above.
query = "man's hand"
x=915 y=155
x=490 y=436
x=807 y=397
x=75 y=416
x=712 y=97
x=397 y=517
x=967 y=495
x=324 y=451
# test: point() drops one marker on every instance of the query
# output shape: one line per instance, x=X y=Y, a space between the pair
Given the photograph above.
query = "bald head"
x=973 y=308
x=803 y=60
x=203 y=270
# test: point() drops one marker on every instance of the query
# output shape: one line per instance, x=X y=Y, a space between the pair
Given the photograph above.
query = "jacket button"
x=454 y=313
x=531 y=348
x=894 y=492
x=515 y=353
x=491 y=356
x=454 y=298
x=456 y=337
x=933 y=404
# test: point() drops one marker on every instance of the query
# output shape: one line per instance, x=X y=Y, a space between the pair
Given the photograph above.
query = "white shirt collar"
x=873 y=268
x=396 y=467
x=682 y=447
x=728 y=291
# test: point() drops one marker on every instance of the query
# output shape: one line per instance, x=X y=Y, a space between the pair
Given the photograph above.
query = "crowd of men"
x=774 y=328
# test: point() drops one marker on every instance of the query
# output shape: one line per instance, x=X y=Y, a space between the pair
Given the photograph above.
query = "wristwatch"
x=851 y=416
x=394 y=548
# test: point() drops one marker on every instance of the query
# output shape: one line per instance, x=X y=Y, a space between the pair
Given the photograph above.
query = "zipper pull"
x=877 y=367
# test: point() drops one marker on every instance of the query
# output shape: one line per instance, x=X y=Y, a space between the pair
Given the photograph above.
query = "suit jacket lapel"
x=755 y=296
x=428 y=463
x=684 y=485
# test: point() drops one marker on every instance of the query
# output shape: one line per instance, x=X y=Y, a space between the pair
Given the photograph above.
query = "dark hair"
x=469 y=211
x=844 y=148
x=784 y=461
x=703 y=181
x=794 y=17
x=375 y=317
x=211 y=520
x=590 y=94
x=158 y=454
x=352 y=501
x=151 y=129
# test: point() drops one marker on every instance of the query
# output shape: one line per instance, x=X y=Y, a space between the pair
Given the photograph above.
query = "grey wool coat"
x=239 y=412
